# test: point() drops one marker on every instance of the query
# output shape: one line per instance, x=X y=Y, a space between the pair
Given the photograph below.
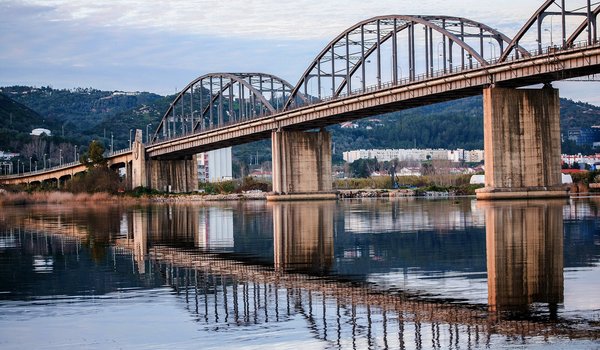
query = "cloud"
x=162 y=45
x=268 y=19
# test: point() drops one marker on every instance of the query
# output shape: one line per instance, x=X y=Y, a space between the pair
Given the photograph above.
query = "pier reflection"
x=303 y=236
x=524 y=243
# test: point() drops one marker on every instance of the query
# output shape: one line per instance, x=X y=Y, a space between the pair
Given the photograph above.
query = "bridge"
x=380 y=65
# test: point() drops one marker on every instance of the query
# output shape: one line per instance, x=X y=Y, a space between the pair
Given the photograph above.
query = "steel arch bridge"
x=380 y=65
x=218 y=99
x=375 y=54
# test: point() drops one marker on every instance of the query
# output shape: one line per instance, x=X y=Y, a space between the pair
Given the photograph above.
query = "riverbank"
x=56 y=197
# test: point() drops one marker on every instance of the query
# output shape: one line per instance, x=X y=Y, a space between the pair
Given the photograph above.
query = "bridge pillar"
x=136 y=172
x=173 y=175
x=301 y=165
x=521 y=143
x=524 y=249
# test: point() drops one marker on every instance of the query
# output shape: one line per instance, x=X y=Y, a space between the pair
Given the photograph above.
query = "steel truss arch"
x=356 y=45
x=583 y=9
x=216 y=99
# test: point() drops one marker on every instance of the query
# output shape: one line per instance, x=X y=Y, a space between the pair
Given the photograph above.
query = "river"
x=372 y=273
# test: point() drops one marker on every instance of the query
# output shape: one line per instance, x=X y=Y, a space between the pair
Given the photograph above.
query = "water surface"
x=400 y=273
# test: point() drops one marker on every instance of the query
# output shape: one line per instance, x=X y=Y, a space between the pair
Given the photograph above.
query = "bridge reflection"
x=193 y=249
x=524 y=254
x=303 y=236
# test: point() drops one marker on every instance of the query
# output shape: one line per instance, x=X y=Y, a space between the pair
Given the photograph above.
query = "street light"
x=18 y=162
x=60 y=157
x=147 y=133
x=111 y=142
x=36 y=165
x=45 y=161
x=550 y=31
x=29 y=164
x=130 y=130
x=75 y=154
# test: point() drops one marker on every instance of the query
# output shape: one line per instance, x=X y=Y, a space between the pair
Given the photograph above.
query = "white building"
x=40 y=131
x=474 y=156
x=214 y=166
x=383 y=155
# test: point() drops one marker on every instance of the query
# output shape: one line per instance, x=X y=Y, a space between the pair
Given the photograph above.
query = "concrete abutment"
x=168 y=175
x=521 y=144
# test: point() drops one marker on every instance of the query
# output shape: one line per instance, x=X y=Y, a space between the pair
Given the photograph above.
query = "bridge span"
x=349 y=79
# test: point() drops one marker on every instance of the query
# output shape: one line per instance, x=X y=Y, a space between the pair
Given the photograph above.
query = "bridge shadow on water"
x=256 y=264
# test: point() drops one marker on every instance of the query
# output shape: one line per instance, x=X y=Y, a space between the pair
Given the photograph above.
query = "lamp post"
x=111 y=142
x=36 y=165
x=492 y=49
x=45 y=161
x=147 y=133
x=60 y=157
x=75 y=154
x=130 y=130
x=29 y=164
x=550 y=31
x=18 y=162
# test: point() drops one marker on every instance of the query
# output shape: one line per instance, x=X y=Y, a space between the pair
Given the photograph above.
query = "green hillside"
x=77 y=110
x=17 y=123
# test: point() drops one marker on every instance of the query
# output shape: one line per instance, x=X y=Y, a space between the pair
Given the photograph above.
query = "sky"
x=160 y=46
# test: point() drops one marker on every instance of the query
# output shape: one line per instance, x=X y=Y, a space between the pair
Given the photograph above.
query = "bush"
x=223 y=187
x=143 y=191
x=251 y=184
x=96 y=179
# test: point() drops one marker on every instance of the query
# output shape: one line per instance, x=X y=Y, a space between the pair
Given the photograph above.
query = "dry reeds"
x=21 y=198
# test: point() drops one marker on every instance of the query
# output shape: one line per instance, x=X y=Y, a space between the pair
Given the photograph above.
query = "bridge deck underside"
x=525 y=72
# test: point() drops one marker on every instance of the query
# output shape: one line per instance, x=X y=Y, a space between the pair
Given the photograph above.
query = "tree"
x=94 y=156
x=362 y=168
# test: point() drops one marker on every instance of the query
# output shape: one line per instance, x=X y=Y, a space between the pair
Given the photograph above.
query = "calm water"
x=412 y=274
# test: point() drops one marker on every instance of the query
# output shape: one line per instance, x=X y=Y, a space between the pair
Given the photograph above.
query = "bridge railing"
x=61 y=166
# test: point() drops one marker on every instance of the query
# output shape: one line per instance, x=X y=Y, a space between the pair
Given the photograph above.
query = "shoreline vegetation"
x=252 y=189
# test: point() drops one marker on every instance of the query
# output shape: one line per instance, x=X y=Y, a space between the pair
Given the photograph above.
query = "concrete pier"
x=522 y=144
x=173 y=175
x=138 y=174
x=301 y=165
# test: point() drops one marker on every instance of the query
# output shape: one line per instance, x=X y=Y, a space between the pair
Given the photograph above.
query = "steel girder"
x=580 y=8
x=380 y=39
x=216 y=99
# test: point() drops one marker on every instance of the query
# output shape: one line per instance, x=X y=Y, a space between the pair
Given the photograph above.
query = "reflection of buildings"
x=401 y=215
x=303 y=235
x=524 y=254
x=216 y=228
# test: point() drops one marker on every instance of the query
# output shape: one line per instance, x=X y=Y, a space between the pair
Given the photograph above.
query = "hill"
x=17 y=123
x=77 y=110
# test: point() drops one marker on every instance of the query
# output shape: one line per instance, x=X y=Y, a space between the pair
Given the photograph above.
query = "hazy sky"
x=159 y=46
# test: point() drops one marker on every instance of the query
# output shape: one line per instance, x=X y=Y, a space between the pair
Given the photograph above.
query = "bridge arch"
x=217 y=99
x=379 y=39
x=542 y=36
